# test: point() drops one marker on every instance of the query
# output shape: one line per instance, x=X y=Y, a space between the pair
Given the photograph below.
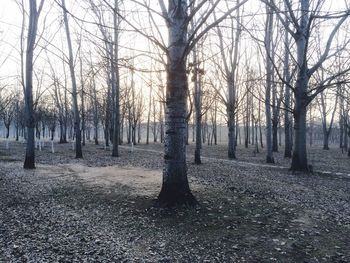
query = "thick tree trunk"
x=231 y=134
x=326 y=140
x=299 y=159
x=7 y=131
x=52 y=134
x=175 y=188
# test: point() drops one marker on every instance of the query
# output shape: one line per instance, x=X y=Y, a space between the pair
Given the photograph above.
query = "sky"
x=10 y=22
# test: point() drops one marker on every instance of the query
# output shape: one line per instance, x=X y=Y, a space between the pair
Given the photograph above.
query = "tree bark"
x=116 y=130
x=198 y=108
x=175 y=187
x=149 y=115
x=82 y=103
x=299 y=159
x=78 y=149
x=29 y=162
x=269 y=73
x=286 y=76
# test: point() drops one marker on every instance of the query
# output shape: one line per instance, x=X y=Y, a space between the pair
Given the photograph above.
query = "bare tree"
x=303 y=21
x=7 y=111
x=78 y=147
x=269 y=76
x=230 y=62
x=34 y=13
x=287 y=95
x=325 y=110
x=175 y=187
x=197 y=98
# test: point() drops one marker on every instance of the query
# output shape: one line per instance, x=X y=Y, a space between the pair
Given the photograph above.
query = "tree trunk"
x=197 y=152
x=341 y=121
x=326 y=140
x=78 y=149
x=7 y=131
x=139 y=132
x=29 y=162
x=269 y=75
x=275 y=131
x=175 y=188
x=231 y=134
x=345 y=133
x=82 y=103
x=149 y=115
x=116 y=130
x=187 y=132
x=299 y=159
x=260 y=129
x=286 y=75
x=246 y=129
x=230 y=65
x=107 y=118
x=95 y=109
x=198 y=107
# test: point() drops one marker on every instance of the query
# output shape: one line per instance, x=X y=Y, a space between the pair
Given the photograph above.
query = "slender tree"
x=303 y=20
x=269 y=76
x=34 y=13
x=78 y=147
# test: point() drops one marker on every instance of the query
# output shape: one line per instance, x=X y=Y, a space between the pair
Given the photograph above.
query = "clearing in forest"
x=100 y=209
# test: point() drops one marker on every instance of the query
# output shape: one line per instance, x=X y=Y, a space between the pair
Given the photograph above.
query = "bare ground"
x=99 y=209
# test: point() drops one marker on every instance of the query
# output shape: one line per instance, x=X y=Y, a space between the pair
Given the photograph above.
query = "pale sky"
x=10 y=22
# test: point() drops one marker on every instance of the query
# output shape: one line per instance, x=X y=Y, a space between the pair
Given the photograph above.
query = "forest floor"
x=99 y=209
